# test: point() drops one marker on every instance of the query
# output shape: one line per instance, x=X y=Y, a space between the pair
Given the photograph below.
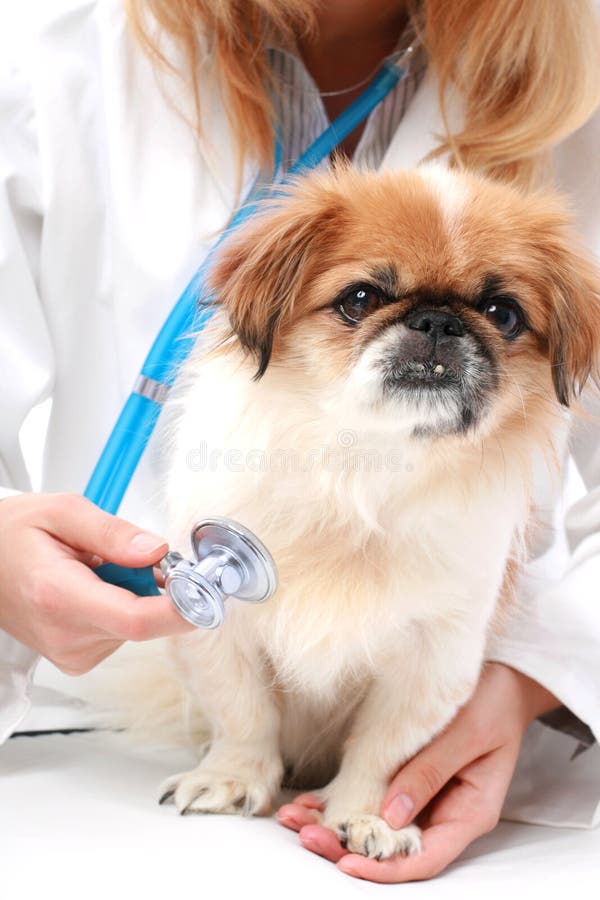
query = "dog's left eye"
x=506 y=315
x=359 y=302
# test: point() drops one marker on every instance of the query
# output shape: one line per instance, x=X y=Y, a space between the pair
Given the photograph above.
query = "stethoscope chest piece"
x=230 y=562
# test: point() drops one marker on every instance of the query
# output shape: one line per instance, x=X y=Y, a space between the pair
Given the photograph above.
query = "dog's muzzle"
x=435 y=363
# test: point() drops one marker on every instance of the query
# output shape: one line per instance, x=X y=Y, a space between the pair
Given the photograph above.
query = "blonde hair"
x=527 y=70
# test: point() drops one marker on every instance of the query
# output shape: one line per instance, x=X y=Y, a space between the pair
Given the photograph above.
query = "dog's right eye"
x=358 y=302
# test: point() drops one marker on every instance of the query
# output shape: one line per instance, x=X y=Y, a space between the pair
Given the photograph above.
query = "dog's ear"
x=574 y=334
x=261 y=274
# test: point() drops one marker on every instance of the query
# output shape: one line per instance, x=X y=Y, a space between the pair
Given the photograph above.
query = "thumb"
x=80 y=524
x=421 y=779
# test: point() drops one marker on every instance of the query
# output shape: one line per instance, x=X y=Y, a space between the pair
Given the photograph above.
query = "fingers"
x=421 y=779
x=469 y=808
x=119 y=612
x=295 y=816
x=303 y=816
x=323 y=842
x=310 y=801
x=76 y=619
x=82 y=525
x=442 y=844
x=303 y=811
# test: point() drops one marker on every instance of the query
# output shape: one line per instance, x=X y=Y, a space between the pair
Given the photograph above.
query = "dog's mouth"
x=417 y=374
x=444 y=386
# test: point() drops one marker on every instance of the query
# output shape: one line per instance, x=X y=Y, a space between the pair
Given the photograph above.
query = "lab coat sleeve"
x=26 y=354
x=26 y=358
x=555 y=636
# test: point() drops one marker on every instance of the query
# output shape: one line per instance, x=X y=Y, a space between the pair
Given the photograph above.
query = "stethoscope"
x=230 y=561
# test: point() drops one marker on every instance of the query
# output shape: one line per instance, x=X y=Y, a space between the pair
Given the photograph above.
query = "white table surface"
x=79 y=818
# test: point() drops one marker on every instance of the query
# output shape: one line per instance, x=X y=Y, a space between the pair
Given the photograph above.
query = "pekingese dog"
x=387 y=370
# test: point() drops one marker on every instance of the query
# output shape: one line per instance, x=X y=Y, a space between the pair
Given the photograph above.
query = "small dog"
x=388 y=368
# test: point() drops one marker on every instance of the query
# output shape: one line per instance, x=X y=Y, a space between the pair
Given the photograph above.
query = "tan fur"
x=391 y=575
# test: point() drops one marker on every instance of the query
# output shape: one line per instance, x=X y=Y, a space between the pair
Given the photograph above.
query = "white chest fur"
x=371 y=539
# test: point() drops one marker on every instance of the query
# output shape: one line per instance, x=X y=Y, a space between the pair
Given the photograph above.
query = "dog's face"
x=440 y=301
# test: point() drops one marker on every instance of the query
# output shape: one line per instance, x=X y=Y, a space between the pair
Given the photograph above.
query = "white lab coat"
x=107 y=206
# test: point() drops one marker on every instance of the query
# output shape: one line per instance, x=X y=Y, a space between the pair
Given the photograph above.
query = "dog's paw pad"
x=201 y=791
x=371 y=836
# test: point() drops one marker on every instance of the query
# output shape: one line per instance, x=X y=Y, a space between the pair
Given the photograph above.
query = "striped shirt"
x=302 y=117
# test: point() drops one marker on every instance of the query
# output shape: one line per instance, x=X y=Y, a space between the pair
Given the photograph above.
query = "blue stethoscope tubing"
x=133 y=429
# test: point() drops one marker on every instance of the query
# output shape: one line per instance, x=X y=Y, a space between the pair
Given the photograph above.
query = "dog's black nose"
x=435 y=323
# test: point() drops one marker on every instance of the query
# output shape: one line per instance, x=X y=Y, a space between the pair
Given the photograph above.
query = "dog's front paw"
x=371 y=836
x=205 y=791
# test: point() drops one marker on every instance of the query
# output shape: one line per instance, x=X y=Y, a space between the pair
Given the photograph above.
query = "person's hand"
x=455 y=786
x=50 y=598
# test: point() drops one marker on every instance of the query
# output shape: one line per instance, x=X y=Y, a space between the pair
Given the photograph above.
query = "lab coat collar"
x=422 y=127
x=418 y=134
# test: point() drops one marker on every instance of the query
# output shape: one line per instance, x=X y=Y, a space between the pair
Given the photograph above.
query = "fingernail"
x=398 y=811
x=147 y=543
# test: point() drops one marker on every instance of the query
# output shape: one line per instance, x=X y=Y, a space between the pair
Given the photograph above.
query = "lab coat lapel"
x=422 y=126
